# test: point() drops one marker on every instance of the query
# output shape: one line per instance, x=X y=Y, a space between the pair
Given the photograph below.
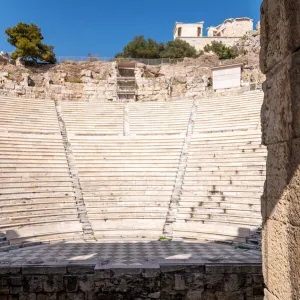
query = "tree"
x=27 y=38
x=139 y=47
x=222 y=51
x=178 y=49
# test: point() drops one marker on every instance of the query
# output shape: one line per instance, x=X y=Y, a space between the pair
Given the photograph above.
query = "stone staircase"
x=177 y=189
x=126 y=82
x=80 y=205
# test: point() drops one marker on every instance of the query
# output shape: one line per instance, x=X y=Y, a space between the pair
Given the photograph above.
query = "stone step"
x=21 y=213
x=228 y=219
x=126 y=215
x=35 y=196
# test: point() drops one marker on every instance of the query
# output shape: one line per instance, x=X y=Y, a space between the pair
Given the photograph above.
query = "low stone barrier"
x=88 y=281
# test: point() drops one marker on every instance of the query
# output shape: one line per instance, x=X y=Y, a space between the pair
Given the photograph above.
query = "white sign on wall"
x=227 y=77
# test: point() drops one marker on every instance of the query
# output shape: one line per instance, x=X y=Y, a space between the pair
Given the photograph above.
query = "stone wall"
x=280 y=60
x=98 y=80
x=115 y=282
x=68 y=81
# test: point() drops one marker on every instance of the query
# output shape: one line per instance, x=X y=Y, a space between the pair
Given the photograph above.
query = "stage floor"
x=132 y=252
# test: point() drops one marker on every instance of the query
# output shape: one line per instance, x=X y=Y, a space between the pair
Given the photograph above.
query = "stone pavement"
x=134 y=252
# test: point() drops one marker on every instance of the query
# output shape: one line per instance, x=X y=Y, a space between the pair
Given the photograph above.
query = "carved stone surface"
x=280 y=60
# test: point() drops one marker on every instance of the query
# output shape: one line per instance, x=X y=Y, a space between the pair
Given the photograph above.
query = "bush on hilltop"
x=140 y=47
x=27 y=38
x=222 y=51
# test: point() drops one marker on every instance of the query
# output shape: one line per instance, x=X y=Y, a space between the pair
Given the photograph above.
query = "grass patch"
x=163 y=238
x=74 y=80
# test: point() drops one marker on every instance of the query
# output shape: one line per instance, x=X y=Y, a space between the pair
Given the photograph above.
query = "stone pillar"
x=280 y=61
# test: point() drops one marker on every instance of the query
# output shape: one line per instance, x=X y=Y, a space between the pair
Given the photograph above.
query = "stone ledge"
x=72 y=267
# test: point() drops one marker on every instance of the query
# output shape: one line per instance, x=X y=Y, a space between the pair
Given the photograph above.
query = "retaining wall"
x=98 y=281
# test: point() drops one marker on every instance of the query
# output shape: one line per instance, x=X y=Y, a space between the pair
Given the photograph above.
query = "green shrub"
x=140 y=47
x=222 y=51
x=178 y=49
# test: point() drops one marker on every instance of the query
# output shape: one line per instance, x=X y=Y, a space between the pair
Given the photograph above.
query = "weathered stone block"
x=258 y=278
x=231 y=269
x=155 y=295
x=41 y=270
x=27 y=296
x=103 y=273
x=34 y=283
x=75 y=296
x=232 y=282
x=71 y=283
x=14 y=290
x=9 y=270
x=230 y=296
x=4 y=290
x=214 y=280
x=16 y=280
x=281 y=108
x=81 y=269
x=276 y=112
x=54 y=283
x=122 y=286
x=283 y=183
x=280 y=36
x=86 y=283
x=118 y=272
x=90 y=295
x=151 y=272
x=46 y=296
x=195 y=295
x=179 y=282
x=281 y=244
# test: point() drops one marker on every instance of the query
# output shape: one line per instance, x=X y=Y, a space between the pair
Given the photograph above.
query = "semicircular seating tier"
x=37 y=200
x=186 y=168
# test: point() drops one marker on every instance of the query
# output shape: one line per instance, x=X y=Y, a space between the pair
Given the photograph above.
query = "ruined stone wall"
x=237 y=27
x=113 y=282
x=98 y=80
x=280 y=60
x=68 y=81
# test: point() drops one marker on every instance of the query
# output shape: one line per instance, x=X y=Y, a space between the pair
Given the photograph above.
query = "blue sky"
x=77 y=28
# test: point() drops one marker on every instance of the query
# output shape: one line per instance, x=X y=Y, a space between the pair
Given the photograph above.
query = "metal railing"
x=146 y=61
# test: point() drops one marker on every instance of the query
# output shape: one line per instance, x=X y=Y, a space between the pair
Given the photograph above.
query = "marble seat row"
x=222 y=187
x=36 y=191
x=127 y=182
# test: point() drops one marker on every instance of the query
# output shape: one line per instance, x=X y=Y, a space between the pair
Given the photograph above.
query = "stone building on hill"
x=229 y=32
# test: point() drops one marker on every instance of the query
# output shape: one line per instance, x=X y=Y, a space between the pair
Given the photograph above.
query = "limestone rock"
x=20 y=62
x=86 y=73
x=4 y=57
x=4 y=74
